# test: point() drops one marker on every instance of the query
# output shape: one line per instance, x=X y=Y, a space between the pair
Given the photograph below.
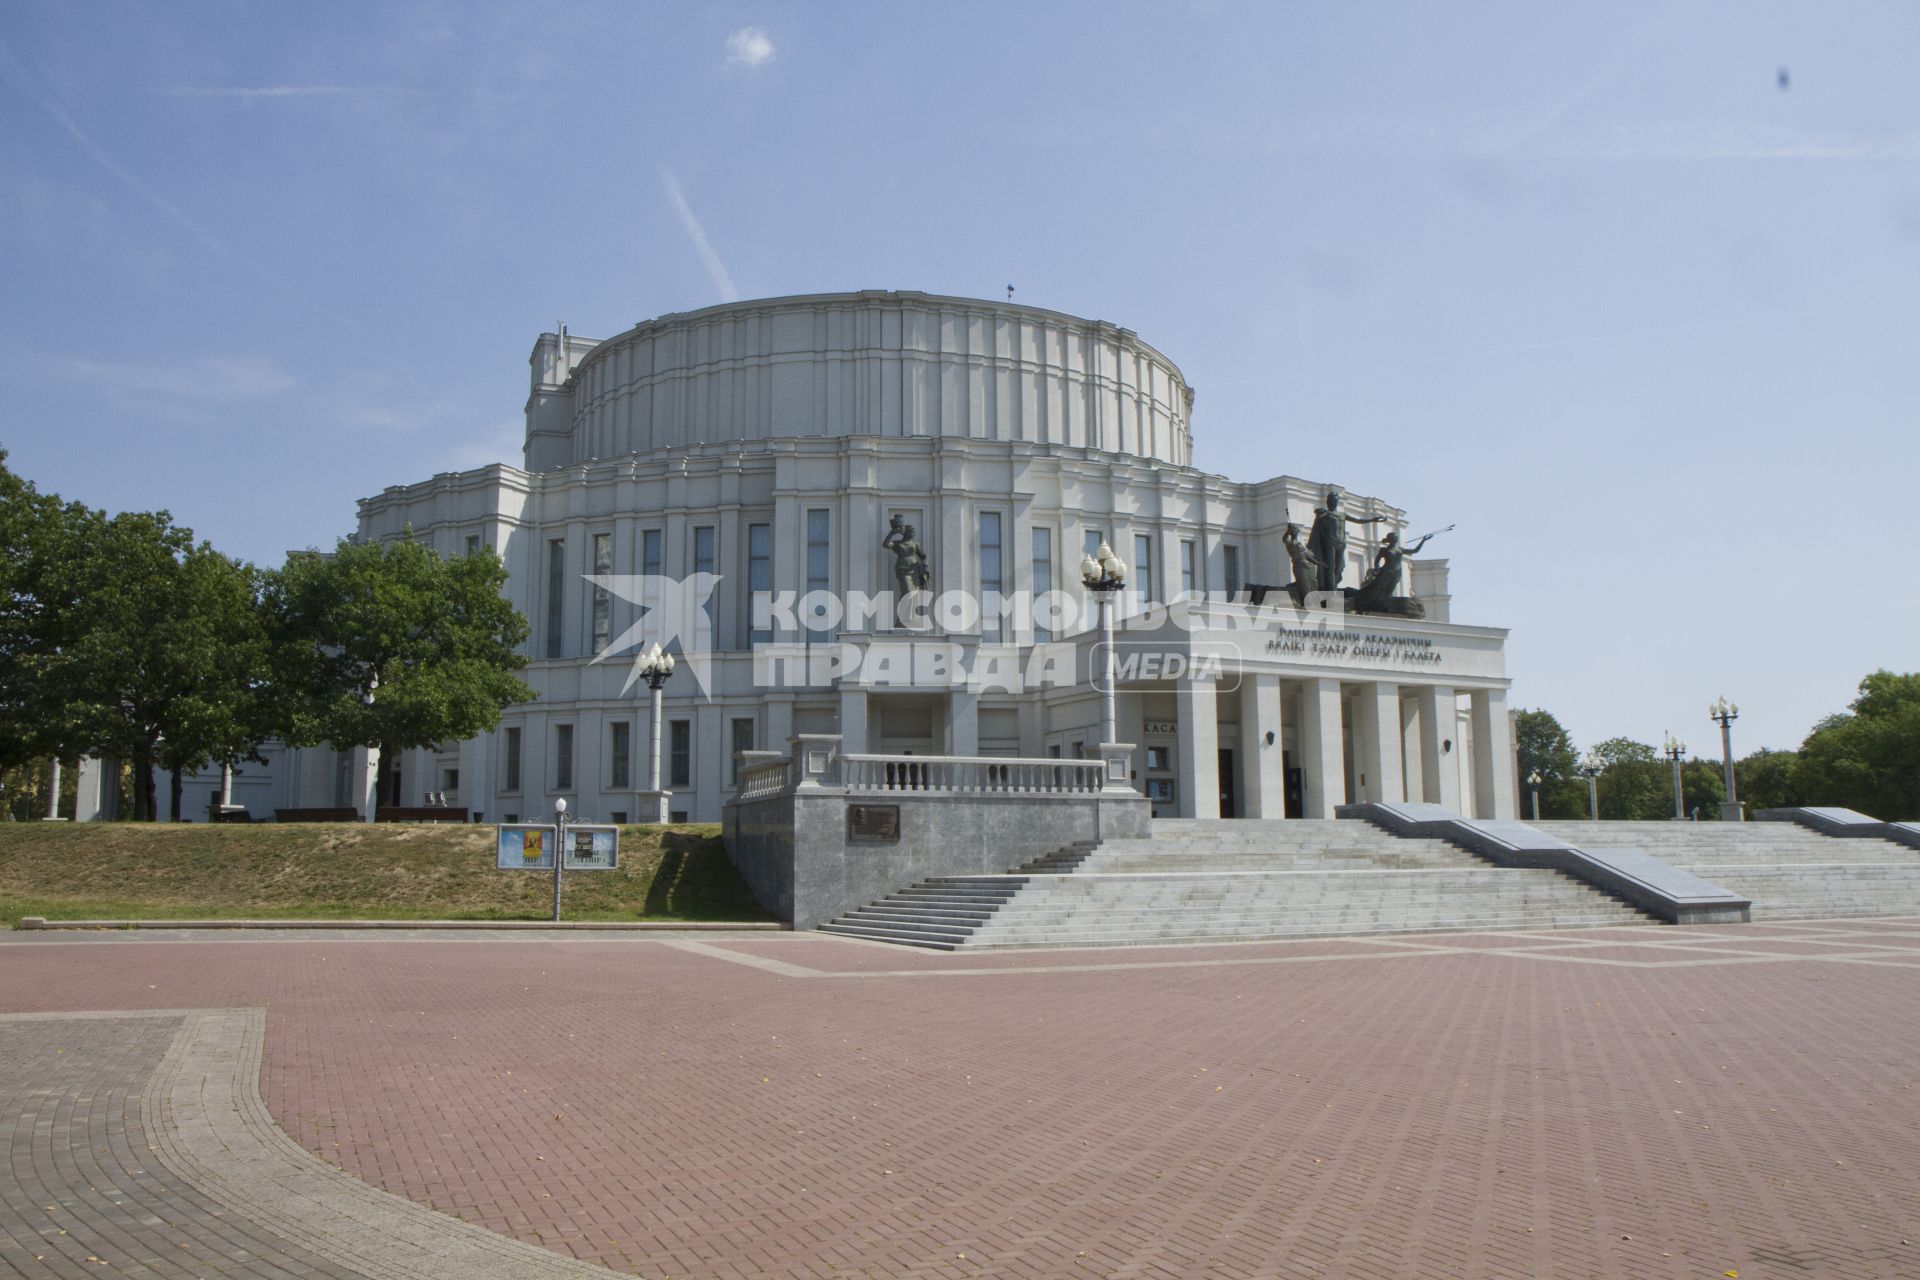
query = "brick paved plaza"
x=1640 y=1102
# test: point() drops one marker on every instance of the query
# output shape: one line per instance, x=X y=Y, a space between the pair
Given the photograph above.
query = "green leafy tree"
x=1635 y=783
x=158 y=661
x=1765 y=779
x=387 y=645
x=1703 y=788
x=1542 y=745
x=1868 y=759
x=36 y=535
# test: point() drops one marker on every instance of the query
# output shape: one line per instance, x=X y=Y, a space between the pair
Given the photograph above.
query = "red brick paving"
x=1452 y=1114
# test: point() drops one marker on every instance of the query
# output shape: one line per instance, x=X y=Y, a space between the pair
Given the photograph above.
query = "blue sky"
x=1587 y=281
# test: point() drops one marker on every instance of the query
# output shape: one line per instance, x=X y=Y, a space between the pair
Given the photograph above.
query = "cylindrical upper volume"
x=850 y=364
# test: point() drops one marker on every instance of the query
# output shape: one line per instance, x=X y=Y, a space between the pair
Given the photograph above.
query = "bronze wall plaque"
x=873 y=822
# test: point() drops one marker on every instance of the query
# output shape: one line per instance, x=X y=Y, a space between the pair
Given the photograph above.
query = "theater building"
x=773 y=446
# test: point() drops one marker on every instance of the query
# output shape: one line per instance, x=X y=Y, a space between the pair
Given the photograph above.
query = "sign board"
x=873 y=822
x=524 y=846
x=592 y=847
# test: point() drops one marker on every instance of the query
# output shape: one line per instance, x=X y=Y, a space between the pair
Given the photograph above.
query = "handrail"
x=972 y=775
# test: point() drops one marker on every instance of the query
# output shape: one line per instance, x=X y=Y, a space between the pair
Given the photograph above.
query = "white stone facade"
x=770 y=442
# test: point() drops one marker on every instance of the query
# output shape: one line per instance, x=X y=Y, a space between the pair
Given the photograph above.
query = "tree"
x=157 y=653
x=387 y=645
x=1635 y=785
x=1765 y=779
x=1542 y=745
x=1868 y=759
x=36 y=531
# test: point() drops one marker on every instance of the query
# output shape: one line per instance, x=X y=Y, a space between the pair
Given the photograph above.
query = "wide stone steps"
x=1789 y=872
x=1232 y=881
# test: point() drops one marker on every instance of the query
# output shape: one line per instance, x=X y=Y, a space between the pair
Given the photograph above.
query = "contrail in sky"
x=708 y=258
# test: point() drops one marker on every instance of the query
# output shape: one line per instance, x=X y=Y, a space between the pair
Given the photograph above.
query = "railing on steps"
x=972 y=775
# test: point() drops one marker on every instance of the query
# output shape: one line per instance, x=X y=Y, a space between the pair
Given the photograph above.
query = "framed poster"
x=592 y=847
x=523 y=846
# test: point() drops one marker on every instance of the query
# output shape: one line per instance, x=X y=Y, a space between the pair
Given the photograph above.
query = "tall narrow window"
x=653 y=559
x=473 y=544
x=602 y=598
x=819 y=560
x=511 y=749
x=556 y=596
x=1042 y=579
x=563 y=757
x=1230 y=569
x=620 y=753
x=1143 y=566
x=759 y=580
x=706 y=559
x=1188 y=577
x=679 y=753
x=742 y=741
x=992 y=579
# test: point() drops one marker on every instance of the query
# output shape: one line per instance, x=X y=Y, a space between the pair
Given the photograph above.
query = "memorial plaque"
x=873 y=822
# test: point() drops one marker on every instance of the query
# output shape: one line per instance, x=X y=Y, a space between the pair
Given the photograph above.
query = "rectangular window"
x=1189 y=584
x=1143 y=567
x=679 y=753
x=992 y=578
x=759 y=579
x=563 y=757
x=512 y=752
x=819 y=560
x=706 y=559
x=1230 y=569
x=620 y=753
x=653 y=558
x=556 y=596
x=602 y=598
x=1042 y=579
x=742 y=741
x=473 y=544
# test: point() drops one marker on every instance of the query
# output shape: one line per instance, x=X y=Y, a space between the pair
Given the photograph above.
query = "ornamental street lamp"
x=1675 y=750
x=1591 y=768
x=1534 y=780
x=560 y=821
x=655 y=666
x=1726 y=713
x=1104 y=573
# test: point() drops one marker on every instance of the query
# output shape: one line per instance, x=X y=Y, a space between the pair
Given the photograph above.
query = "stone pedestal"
x=653 y=807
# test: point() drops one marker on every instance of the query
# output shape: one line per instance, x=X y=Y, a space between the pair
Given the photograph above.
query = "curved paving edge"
x=208 y=1123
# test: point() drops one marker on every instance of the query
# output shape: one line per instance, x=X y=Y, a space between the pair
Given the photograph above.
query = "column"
x=1263 y=746
x=365 y=772
x=1411 y=768
x=1494 y=783
x=1439 y=770
x=53 y=790
x=1033 y=725
x=963 y=723
x=853 y=720
x=1378 y=725
x=711 y=755
x=1321 y=762
x=1199 y=743
x=779 y=721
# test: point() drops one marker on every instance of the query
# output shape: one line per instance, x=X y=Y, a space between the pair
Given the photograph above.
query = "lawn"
x=388 y=871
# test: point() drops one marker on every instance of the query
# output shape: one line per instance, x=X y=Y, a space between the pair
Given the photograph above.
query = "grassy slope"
x=348 y=871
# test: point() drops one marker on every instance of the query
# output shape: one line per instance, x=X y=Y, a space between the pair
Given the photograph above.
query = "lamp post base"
x=1736 y=811
x=653 y=808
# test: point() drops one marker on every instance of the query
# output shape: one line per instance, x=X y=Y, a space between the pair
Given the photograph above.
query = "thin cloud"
x=749 y=47
x=221 y=380
x=716 y=269
x=292 y=91
x=17 y=75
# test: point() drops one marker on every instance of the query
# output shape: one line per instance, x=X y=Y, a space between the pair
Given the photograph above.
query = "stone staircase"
x=1196 y=880
x=1789 y=871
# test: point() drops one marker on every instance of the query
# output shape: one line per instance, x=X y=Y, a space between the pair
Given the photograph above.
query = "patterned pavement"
x=1635 y=1102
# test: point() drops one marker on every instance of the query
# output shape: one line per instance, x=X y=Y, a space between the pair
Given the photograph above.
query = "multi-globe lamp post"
x=1104 y=573
x=655 y=666
x=1675 y=750
x=1534 y=780
x=1726 y=713
x=1591 y=768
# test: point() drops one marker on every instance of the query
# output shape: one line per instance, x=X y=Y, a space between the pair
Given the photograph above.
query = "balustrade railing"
x=972 y=775
x=763 y=779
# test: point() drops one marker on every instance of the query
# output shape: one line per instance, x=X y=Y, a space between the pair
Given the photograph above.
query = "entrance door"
x=1228 y=808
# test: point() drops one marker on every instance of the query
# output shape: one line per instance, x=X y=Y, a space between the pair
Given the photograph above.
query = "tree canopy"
x=1868 y=759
